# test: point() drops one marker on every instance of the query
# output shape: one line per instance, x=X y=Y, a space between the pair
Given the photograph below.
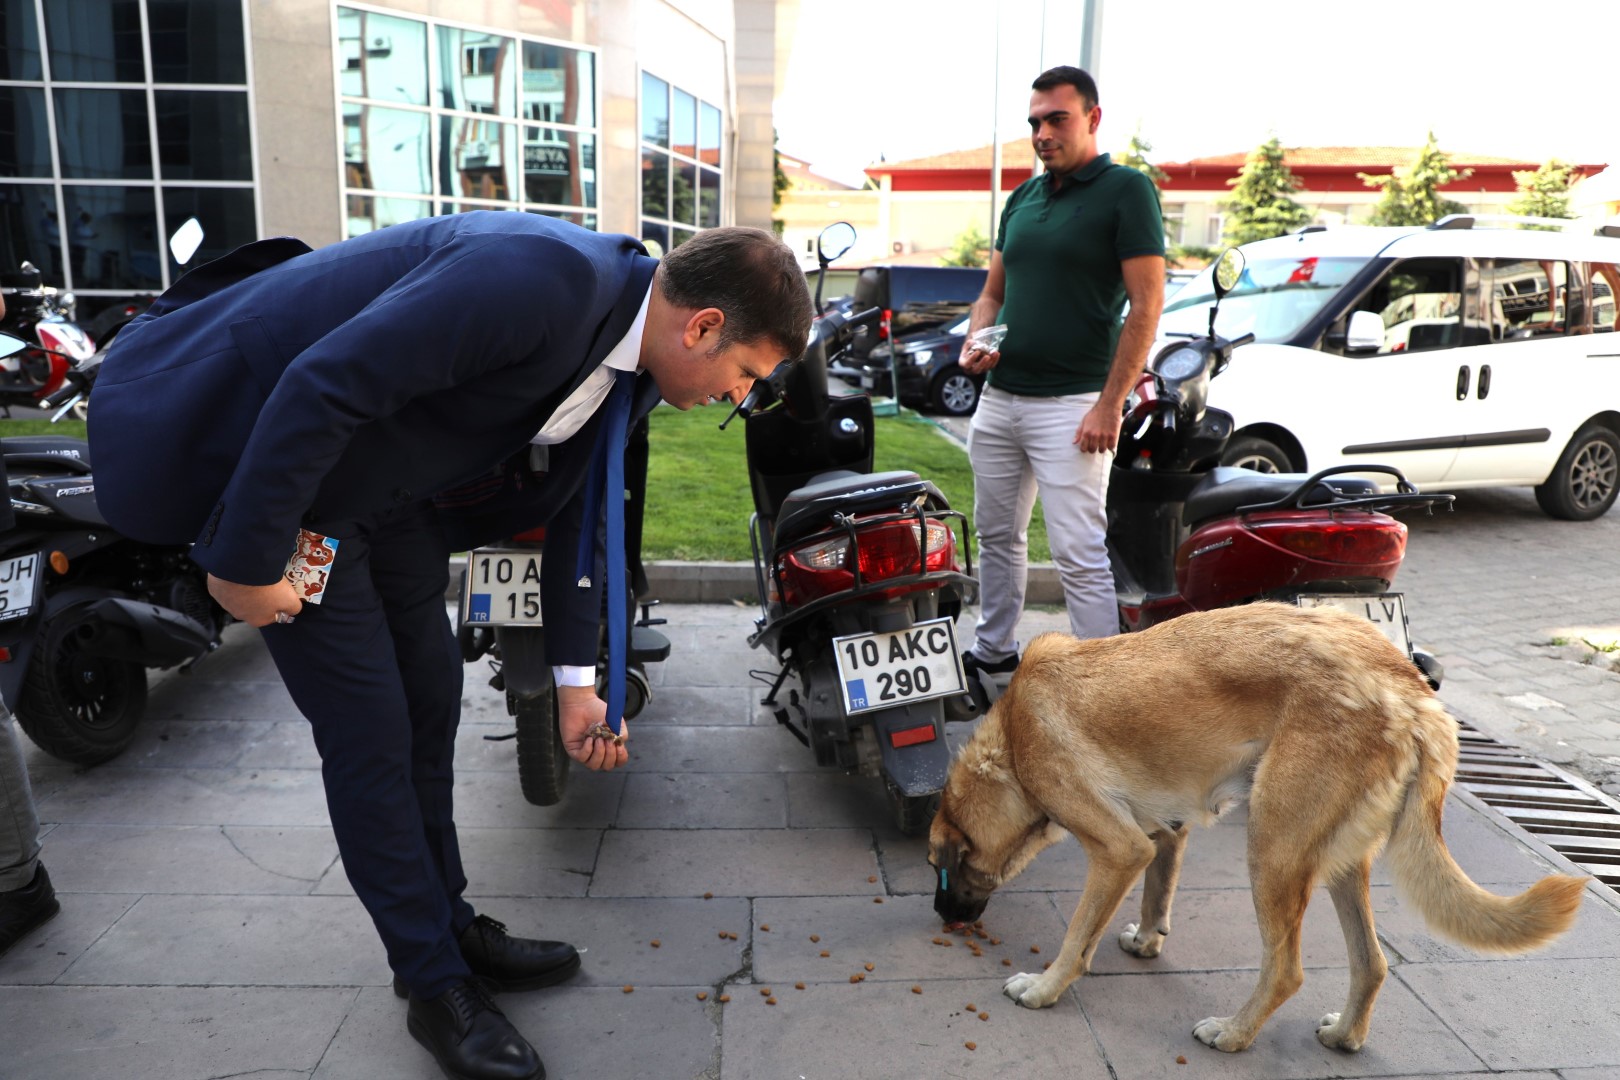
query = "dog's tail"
x=1428 y=876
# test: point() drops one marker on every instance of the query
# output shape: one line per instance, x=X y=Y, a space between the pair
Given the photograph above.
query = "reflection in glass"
x=94 y=42
x=203 y=134
x=654 y=110
x=196 y=41
x=709 y=199
x=228 y=213
x=584 y=221
x=654 y=183
x=709 y=135
x=559 y=169
x=19 y=47
x=477 y=72
x=29 y=230
x=684 y=203
x=369 y=212
x=25 y=142
x=113 y=240
x=102 y=134
x=386 y=149
x=655 y=237
x=478 y=158
x=448 y=208
x=683 y=124
x=559 y=84
x=382 y=57
x=681 y=236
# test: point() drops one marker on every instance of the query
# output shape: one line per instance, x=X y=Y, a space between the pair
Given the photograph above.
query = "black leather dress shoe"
x=470 y=1037
x=972 y=665
x=512 y=963
x=32 y=905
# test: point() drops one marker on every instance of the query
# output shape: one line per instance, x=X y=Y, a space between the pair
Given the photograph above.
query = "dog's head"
x=961 y=890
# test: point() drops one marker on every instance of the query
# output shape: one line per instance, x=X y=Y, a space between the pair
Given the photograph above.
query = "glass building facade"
x=680 y=163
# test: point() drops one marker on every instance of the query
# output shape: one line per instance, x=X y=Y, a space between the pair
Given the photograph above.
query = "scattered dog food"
x=1034 y=948
x=871 y=878
x=984 y=1016
x=764 y=991
x=703 y=995
x=971 y=1045
x=824 y=952
x=972 y=1007
x=815 y=937
x=868 y=967
x=1005 y=962
x=770 y=1001
x=854 y=978
x=1046 y=965
x=724 y=935
x=765 y=927
x=655 y=943
x=629 y=989
x=708 y=896
x=877 y=899
x=1181 y=1059
x=724 y=998
x=939 y=941
x=798 y=986
x=995 y=941
x=916 y=989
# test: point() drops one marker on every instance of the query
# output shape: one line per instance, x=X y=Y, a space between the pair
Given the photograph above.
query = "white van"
x=1463 y=354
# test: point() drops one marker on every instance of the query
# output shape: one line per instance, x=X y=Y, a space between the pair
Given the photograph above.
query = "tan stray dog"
x=1339 y=744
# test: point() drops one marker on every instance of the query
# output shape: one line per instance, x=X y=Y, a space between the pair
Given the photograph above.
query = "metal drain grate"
x=1563 y=811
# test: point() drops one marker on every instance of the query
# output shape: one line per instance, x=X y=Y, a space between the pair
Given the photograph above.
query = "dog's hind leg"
x=1347 y=1030
x=1146 y=939
x=1281 y=892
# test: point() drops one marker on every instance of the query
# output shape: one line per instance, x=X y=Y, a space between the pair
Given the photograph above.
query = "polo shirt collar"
x=1090 y=171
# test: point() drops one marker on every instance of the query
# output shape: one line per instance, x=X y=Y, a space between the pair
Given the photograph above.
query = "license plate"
x=880 y=671
x=1387 y=611
x=19 y=584
x=501 y=588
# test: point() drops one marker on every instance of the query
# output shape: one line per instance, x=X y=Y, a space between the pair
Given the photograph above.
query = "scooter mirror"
x=835 y=241
x=186 y=240
x=1228 y=269
x=10 y=346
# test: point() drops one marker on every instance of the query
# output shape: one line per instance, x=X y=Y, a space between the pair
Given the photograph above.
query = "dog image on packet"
x=311 y=565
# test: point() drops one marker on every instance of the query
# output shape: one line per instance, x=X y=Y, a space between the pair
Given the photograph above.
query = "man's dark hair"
x=749 y=275
x=1065 y=75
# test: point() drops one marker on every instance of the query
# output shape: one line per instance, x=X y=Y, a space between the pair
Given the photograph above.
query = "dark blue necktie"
x=606 y=486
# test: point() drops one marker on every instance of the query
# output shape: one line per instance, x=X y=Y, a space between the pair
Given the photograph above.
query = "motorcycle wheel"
x=912 y=814
x=79 y=708
x=542 y=761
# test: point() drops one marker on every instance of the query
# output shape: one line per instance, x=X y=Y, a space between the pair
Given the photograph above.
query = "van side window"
x=1604 y=282
x=1421 y=305
x=1529 y=297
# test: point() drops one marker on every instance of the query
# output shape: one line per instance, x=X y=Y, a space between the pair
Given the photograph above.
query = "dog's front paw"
x=1217 y=1031
x=1335 y=1035
x=1030 y=991
x=1145 y=945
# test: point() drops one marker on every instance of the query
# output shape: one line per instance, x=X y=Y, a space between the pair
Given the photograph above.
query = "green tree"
x=1412 y=195
x=1136 y=157
x=1260 y=207
x=779 y=182
x=1544 y=192
x=972 y=249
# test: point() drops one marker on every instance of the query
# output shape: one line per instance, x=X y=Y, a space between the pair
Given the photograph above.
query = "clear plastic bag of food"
x=988 y=338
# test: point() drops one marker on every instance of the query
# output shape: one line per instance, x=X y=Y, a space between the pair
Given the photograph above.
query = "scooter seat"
x=1226 y=488
x=807 y=509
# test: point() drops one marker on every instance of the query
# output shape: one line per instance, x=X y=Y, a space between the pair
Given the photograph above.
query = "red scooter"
x=1188 y=534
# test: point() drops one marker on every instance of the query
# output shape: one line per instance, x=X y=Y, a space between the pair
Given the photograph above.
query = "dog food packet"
x=311 y=565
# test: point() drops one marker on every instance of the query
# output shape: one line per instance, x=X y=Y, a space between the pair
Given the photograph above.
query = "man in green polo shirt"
x=1075 y=242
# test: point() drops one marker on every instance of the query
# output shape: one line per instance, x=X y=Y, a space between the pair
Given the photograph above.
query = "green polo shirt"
x=1065 y=291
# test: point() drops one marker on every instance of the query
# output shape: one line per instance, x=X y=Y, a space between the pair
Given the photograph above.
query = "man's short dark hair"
x=749 y=275
x=1065 y=75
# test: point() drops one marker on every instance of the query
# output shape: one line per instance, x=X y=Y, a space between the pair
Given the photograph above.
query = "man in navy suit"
x=340 y=391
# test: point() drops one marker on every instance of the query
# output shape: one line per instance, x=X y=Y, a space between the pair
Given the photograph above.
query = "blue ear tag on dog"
x=942 y=883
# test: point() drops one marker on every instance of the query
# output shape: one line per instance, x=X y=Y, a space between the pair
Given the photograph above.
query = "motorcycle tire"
x=911 y=814
x=542 y=761
x=79 y=708
x=1584 y=482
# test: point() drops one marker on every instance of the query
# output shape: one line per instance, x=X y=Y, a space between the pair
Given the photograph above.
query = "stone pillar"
x=753 y=159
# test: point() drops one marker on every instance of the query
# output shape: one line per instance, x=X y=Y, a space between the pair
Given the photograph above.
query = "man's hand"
x=256 y=605
x=975 y=360
x=579 y=710
x=1099 y=431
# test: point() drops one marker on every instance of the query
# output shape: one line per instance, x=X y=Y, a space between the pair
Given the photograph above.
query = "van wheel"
x=954 y=392
x=1249 y=452
x=1583 y=484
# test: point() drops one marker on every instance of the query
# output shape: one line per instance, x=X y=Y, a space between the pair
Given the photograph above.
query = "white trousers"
x=1020 y=446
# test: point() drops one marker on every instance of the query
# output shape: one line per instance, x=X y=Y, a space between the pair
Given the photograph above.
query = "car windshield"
x=1272 y=300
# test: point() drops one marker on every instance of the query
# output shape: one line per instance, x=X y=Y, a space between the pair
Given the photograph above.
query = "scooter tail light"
x=531 y=535
x=884 y=551
x=1352 y=543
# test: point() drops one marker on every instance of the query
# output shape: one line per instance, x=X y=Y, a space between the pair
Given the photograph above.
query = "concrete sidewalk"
x=207 y=928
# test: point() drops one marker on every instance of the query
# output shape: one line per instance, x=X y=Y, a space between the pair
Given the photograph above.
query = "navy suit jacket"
x=281 y=387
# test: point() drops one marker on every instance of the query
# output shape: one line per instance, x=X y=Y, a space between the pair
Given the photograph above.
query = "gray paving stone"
x=1144 y=1022
x=831 y=799
x=495 y=800
x=192 y=743
x=880 y=1031
x=1532 y=1014
x=692 y=748
x=219 y=699
x=1596 y=933
x=119 y=1033
x=284 y=744
x=722 y=705
x=190 y=858
x=510 y=862
x=114 y=794
x=43 y=954
x=236 y=940
x=727 y=800
x=734 y=862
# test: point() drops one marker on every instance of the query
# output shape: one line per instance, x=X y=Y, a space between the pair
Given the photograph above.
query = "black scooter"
x=858 y=576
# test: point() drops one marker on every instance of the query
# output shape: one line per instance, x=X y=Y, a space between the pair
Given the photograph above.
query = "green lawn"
x=73 y=429
x=698 y=501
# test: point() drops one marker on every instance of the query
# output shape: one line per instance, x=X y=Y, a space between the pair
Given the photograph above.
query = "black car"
x=930 y=377
x=913 y=299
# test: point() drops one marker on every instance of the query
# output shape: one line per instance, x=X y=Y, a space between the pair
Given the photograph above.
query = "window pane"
x=683 y=124
x=585 y=221
x=95 y=40
x=559 y=169
x=477 y=71
x=654 y=183
x=1605 y=278
x=680 y=236
x=113 y=240
x=382 y=57
x=685 y=194
x=654 y=110
x=1528 y=299
x=709 y=136
x=478 y=158
x=559 y=84
x=196 y=41
x=1421 y=305
x=655 y=237
x=203 y=134
x=19 y=42
x=226 y=215
x=447 y=208
x=25 y=145
x=102 y=134
x=709 y=199
x=386 y=149
x=29 y=231
x=369 y=212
